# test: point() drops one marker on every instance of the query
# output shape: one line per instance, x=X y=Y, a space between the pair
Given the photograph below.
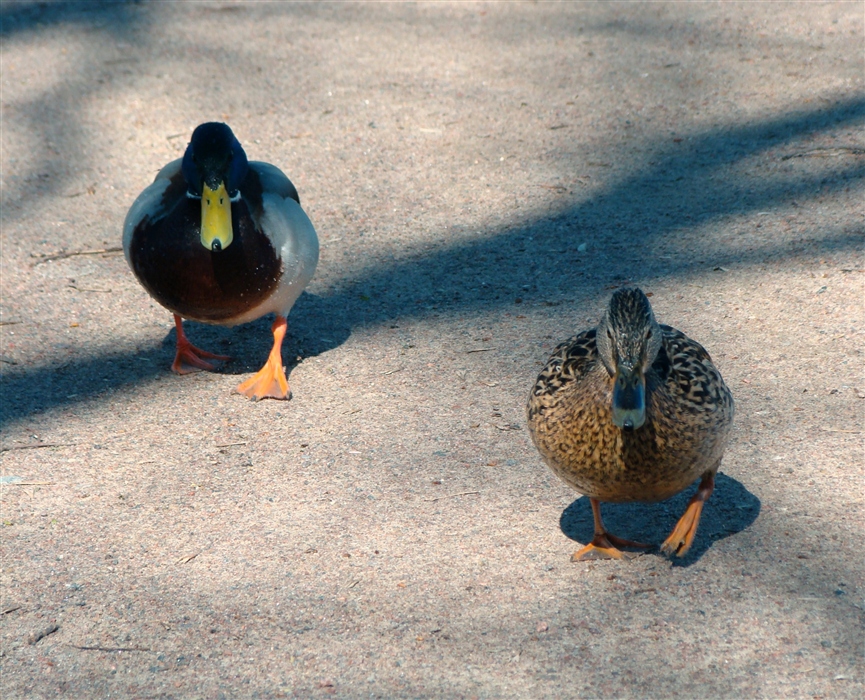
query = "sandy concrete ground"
x=481 y=177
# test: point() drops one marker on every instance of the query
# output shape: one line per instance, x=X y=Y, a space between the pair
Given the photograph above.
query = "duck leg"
x=603 y=545
x=188 y=357
x=682 y=537
x=269 y=381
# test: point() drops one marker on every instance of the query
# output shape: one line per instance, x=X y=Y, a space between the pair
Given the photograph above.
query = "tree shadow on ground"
x=644 y=226
x=26 y=392
x=637 y=229
x=731 y=509
x=21 y=17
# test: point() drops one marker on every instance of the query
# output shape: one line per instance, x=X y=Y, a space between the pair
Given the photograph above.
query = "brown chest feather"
x=196 y=283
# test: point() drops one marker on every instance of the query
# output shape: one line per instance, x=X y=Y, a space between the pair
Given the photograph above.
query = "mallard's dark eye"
x=649 y=334
x=609 y=335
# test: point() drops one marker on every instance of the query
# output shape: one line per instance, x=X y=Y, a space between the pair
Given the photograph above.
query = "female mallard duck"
x=632 y=411
x=222 y=240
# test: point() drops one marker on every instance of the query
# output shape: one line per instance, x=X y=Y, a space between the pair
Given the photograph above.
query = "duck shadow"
x=731 y=509
x=312 y=330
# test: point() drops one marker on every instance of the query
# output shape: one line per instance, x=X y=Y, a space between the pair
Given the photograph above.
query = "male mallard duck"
x=222 y=240
x=632 y=411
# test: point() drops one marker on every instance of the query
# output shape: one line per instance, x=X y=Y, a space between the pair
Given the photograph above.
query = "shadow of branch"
x=536 y=262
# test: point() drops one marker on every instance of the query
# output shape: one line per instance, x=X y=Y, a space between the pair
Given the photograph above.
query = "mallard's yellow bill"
x=216 y=230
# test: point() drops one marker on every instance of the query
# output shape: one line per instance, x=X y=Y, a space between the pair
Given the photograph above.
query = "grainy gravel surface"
x=481 y=177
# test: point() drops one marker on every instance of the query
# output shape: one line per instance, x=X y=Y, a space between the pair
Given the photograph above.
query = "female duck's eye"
x=609 y=335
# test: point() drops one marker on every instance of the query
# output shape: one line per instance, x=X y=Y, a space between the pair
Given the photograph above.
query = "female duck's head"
x=628 y=340
x=214 y=166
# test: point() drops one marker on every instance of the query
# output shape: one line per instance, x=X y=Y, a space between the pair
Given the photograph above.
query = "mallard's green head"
x=214 y=166
x=628 y=340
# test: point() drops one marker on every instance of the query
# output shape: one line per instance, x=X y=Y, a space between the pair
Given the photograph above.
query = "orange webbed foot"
x=604 y=545
x=269 y=381
x=188 y=357
x=682 y=537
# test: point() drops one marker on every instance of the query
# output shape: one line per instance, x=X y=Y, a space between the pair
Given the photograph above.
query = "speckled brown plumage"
x=688 y=411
